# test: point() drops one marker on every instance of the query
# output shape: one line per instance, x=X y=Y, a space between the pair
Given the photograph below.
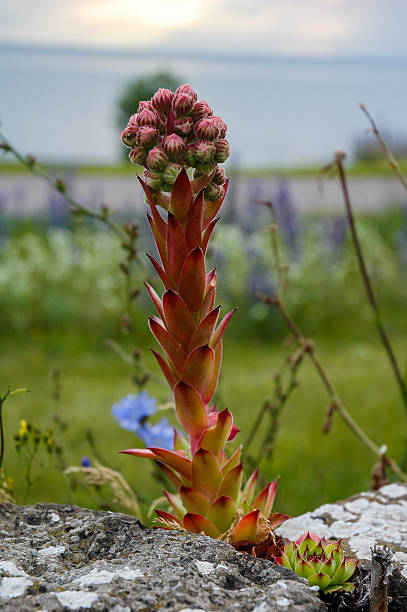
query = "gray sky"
x=292 y=27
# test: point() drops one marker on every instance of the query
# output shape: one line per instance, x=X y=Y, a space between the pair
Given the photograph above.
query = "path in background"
x=27 y=195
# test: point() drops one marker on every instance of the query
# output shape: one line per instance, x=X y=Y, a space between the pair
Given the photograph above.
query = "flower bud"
x=184 y=126
x=219 y=177
x=188 y=90
x=147 y=117
x=157 y=159
x=174 y=147
x=132 y=120
x=147 y=136
x=213 y=192
x=182 y=104
x=190 y=158
x=137 y=156
x=154 y=180
x=129 y=136
x=204 y=151
x=222 y=127
x=200 y=109
x=161 y=100
x=144 y=104
x=222 y=150
x=204 y=169
x=207 y=129
x=170 y=174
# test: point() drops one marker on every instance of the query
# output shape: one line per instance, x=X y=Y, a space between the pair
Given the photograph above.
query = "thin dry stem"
x=367 y=283
x=31 y=164
x=340 y=407
x=385 y=147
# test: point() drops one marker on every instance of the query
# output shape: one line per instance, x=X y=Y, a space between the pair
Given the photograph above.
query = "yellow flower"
x=23 y=428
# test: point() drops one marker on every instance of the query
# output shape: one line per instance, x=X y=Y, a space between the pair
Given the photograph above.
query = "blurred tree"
x=142 y=89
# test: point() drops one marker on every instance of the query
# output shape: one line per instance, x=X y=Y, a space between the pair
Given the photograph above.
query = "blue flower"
x=86 y=462
x=161 y=434
x=132 y=409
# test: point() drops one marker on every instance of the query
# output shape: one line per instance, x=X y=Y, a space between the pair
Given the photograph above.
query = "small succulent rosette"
x=321 y=562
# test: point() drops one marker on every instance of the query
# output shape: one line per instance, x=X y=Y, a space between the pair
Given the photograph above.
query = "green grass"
x=378 y=167
x=314 y=468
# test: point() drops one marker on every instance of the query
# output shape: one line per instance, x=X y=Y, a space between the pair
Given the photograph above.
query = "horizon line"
x=198 y=54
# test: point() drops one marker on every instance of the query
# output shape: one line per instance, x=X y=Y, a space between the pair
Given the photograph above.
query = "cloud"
x=311 y=27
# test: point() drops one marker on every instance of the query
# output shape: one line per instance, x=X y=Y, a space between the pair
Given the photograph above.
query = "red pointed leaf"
x=233 y=433
x=212 y=208
x=166 y=370
x=231 y=482
x=210 y=389
x=177 y=248
x=158 y=220
x=139 y=452
x=209 y=298
x=206 y=473
x=198 y=368
x=194 y=501
x=160 y=242
x=222 y=513
x=155 y=299
x=205 y=329
x=201 y=182
x=190 y=409
x=276 y=519
x=181 y=196
x=193 y=227
x=222 y=327
x=215 y=438
x=208 y=233
x=178 y=319
x=193 y=280
x=246 y=529
x=167 y=517
x=173 y=350
x=161 y=273
x=264 y=501
x=177 y=462
x=199 y=524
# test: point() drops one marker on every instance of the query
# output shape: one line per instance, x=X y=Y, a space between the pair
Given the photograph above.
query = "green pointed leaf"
x=206 y=473
x=190 y=409
x=231 y=482
x=222 y=513
x=194 y=501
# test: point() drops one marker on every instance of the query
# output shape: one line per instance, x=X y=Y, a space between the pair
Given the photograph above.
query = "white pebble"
x=204 y=567
x=14 y=587
x=76 y=599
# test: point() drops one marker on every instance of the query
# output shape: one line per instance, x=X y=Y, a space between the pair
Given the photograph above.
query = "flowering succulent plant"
x=209 y=495
x=321 y=562
x=171 y=131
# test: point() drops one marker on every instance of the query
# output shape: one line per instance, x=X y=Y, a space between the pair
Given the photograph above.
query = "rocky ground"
x=55 y=558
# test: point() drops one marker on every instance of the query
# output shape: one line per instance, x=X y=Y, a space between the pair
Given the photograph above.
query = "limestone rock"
x=59 y=557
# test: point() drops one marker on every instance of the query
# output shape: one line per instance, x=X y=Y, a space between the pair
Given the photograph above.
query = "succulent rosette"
x=209 y=495
x=174 y=130
x=321 y=562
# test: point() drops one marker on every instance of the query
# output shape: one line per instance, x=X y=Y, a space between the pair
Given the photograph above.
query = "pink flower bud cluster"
x=175 y=130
